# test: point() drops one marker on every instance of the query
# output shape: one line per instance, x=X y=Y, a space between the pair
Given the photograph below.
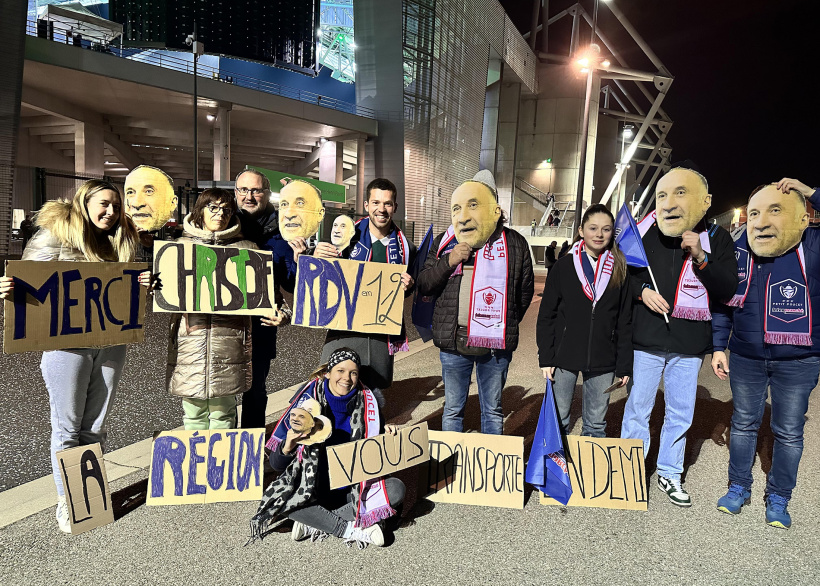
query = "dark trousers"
x=334 y=520
x=255 y=399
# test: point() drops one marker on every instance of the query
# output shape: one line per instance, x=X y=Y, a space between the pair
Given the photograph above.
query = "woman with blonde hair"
x=81 y=382
x=585 y=321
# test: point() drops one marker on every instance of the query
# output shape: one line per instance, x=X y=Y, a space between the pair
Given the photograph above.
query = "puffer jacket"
x=435 y=280
x=209 y=355
x=46 y=244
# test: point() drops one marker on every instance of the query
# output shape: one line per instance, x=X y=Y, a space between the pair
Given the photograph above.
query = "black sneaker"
x=673 y=489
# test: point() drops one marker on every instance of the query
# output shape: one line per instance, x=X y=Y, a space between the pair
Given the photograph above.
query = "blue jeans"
x=81 y=383
x=594 y=404
x=680 y=383
x=491 y=374
x=791 y=383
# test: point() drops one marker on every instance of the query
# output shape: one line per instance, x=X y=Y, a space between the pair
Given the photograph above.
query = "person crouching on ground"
x=302 y=491
x=81 y=382
x=774 y=323
x=209 y=355
x=585 y=322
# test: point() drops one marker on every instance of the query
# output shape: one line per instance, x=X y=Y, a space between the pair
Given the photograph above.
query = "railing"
x=533 y=191
x=163 y=59
x=558 y=233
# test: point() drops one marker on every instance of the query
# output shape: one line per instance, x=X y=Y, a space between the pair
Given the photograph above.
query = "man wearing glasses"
x=260 y=224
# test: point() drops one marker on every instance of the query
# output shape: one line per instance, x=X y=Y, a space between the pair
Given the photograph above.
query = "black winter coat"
x=434 y=280
x=719 y=275
x=572 y=336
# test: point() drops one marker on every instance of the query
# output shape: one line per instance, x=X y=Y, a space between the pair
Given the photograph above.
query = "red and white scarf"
x=603 y=272
x=488 y=291
x=691 y=297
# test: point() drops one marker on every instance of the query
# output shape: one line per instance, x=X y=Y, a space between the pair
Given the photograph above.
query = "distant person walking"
x=27 y=229
x=532 y=228
x=564 y=248
x=549 y=254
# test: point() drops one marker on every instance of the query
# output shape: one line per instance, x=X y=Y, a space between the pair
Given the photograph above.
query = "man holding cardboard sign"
x=774 y=323
x=377 y=239
x=483 y=280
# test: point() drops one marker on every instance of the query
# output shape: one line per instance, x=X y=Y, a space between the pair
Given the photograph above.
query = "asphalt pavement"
x=456 y=544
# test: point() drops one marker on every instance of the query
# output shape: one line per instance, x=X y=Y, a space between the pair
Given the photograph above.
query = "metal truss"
x=653 y=86
x=334 y=40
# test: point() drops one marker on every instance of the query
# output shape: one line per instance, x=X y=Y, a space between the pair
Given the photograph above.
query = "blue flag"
x=629 y=240
x=423 y=307
x=547 y=466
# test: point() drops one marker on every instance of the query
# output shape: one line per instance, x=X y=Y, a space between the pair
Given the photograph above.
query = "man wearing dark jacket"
x=482 y=277
x=258 y=218
x=691 y=271
x=774 y=323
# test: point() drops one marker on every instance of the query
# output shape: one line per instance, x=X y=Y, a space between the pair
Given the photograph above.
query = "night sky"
x=744 y=98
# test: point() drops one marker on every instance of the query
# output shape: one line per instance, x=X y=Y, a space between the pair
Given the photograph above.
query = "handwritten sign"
x=210 y=466
x=86 y=487
x=475 y=469
x=377 y=456
x=197 y=278
x=63 y=304
x=605 y=472
x=349 y=295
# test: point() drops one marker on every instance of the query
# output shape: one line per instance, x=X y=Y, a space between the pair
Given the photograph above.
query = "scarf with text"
x=603 y=272
x=398 y=251
x=691 y=297
x=488 y=291
x=787 y=305
x=296 y=486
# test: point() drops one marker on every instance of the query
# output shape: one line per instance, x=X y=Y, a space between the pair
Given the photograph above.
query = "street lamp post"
x=627 y=132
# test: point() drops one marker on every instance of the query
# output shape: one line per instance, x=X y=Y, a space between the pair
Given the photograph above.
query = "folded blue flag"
x=422 y=314
x=629 y=240
x=547 y=466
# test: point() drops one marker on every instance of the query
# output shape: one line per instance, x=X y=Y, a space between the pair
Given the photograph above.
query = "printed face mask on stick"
x=775 y=221
x=681 y=201
x=149 y=197
x=300 y=210
x=307 y=418
x=475 y=211
x=342 y=232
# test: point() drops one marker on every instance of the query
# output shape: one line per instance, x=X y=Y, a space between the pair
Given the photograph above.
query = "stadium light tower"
x=335 y=44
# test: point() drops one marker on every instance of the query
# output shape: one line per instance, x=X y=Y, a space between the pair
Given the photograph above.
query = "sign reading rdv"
x=349 y=295
x=197 y=278
x=210 y=466
x=60 y=304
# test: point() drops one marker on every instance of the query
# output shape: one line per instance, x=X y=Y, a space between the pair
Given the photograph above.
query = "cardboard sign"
x=605 y=472
x=60 y=304
x=349 y=295
x=210 y=466
x=86 y=488
x=475 y=469
x=197 y=278
x=377 y=456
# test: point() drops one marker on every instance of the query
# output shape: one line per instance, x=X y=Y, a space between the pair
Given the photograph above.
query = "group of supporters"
x=701 y=292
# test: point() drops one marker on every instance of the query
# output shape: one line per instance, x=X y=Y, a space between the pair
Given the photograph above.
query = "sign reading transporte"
x=210 y=466
x=197 y=278
x=377 y=456
x=86 y=487
x=475 y=469
x=605 y=472
x=349 y=295
x=62 y=304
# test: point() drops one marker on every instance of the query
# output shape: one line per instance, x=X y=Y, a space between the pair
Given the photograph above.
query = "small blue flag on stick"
x=547 y=466
x=629 y=240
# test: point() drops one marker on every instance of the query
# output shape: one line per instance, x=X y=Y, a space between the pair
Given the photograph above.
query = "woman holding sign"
x=585 y=322
x=302 y=491
x=81 y=382
x=209 y=355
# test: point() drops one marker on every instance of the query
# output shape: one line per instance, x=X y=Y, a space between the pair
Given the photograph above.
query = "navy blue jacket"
x=745 y=324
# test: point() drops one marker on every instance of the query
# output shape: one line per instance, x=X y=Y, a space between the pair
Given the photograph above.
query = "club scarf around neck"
x=296 y=486
x=787 y=317
x=691 y=297
x=603 y=272
x=398 y=252
x=488 y=290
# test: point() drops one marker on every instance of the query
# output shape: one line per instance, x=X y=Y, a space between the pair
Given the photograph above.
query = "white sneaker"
x=301 y=532
x=62 y=515
x=363 y=537
x=676 y=493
